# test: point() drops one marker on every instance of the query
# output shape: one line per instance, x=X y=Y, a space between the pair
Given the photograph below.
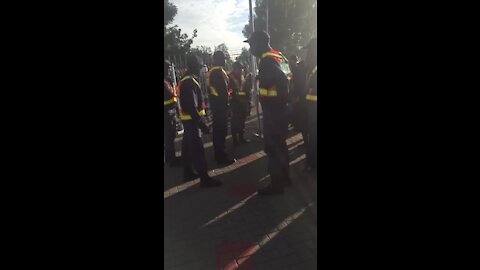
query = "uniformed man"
x=248 y=88
x=273 y=94
x=311 y=100
x=192 y=110
x=219 y=103
x=298 y=99
x=169 y=117
x=240 y=103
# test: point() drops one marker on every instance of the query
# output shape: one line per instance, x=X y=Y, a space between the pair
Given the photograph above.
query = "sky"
x=217 y=21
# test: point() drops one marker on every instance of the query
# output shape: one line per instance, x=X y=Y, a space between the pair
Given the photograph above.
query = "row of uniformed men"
x=274 y=98
x=229 y=94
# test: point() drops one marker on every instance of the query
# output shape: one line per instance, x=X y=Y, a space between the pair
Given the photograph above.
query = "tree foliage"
x=228 y=60
x=174 y=41
x=204 y=52
x=169 y=12
x=291 y=23
x=244 y=57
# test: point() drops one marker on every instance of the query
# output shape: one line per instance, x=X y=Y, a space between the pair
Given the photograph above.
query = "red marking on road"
x=244 y=160
x=245 y=263
x=242 y=189
x=235 y=255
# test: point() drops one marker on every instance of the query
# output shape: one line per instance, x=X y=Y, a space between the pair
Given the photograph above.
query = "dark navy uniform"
x=311 y=100
x=273 y=94
x=219 y=103
x=298 y=94
x=169 y=120
x=240 y=104
x=192 y=109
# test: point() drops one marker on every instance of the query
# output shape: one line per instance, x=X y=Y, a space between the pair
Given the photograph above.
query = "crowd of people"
x=283 y=85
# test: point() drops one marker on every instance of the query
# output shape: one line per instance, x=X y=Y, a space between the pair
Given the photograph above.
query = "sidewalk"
x=230 y=227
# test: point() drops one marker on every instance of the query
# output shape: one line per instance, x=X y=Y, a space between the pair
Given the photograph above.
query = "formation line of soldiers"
x=231 y=93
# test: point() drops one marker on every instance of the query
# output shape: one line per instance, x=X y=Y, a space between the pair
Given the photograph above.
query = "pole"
x=174 y=77
x=254 y=75
x=267 y=17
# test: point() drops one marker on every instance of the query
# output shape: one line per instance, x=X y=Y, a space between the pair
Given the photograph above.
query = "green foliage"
x=174 y=41
x=222 y=47
x=205 y=53
x=169 y=12
x=291 y=23
x=245 y=57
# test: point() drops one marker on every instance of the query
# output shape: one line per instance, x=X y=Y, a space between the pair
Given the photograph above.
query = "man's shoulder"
x=187 y=82
x=267 y=60
x=267 y=63
x=217 y=70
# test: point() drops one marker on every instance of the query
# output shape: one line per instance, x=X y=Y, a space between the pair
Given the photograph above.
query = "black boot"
x=175 y=162
x=189 y=175
x=235 y=139
x=222 y=159
x=207 y=181
x=287 y=182
x=309 y=169
x=242 y=139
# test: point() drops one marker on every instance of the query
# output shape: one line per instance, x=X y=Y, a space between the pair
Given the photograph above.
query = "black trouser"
x=193 y=152
x=239 y=115
x=312 y=135
x=275 y=123
x=169 y=132
x=220 y=130
x=300 y=118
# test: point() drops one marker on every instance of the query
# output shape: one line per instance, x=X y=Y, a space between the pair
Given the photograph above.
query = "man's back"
x=217 y=84
x=273 y=83
x=300 y=80
x=191 y=98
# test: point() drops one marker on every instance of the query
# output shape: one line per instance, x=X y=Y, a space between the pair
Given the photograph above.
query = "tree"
x=205 y=53
x=291 y=23
x=175 y=43
x=223 y=48
x=169 y=12
x=245 y=57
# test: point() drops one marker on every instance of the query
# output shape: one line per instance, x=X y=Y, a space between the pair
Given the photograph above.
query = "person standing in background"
x=169 y=117
x=240 y=104
x=219 y=102
x=299 y=103
x=192 y=112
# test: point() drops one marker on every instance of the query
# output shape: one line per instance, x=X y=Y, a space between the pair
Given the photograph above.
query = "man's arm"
x=187 y=102
x=271 y=75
